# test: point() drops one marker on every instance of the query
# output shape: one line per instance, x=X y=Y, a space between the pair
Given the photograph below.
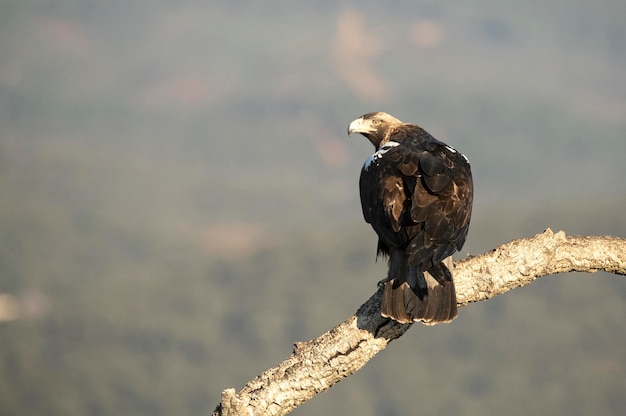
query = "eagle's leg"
x=397 y=267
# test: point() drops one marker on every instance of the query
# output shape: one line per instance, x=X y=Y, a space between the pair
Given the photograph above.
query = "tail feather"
x=419 y=297
x=396 y=304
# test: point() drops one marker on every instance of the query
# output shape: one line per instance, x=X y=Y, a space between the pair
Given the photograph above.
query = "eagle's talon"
x=382 y=282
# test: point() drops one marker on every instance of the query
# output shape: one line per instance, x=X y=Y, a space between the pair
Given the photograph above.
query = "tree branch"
x=316 y=365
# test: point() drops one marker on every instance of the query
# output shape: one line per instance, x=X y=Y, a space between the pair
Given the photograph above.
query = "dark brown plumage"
x=416 y=192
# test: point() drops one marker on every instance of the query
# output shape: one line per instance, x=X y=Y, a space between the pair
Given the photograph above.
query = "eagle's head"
x=377 y=127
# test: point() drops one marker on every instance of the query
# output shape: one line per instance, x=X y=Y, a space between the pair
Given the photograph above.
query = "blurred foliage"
x=179 y=201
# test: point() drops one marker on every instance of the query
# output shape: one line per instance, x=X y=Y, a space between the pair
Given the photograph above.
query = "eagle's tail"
x=415 y=296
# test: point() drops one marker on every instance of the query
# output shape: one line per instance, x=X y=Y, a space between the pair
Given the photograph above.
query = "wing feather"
x=393 y=200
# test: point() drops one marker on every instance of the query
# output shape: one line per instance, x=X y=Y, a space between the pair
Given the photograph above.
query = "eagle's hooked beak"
x=360 y=126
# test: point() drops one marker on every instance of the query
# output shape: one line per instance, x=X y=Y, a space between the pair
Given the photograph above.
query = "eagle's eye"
x=375 y=122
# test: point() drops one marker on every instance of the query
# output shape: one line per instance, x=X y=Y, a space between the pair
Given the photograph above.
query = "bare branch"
x=317 y=365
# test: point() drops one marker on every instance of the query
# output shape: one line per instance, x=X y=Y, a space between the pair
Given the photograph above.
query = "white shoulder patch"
x=453 y=150
x=379 y=154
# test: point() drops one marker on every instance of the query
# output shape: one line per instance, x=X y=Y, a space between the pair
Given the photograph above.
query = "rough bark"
x=316 y=365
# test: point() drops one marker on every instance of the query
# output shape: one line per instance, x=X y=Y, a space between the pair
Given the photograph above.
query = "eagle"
x=416 y=192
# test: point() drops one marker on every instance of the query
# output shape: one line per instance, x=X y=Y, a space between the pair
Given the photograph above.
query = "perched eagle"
x=416 y=192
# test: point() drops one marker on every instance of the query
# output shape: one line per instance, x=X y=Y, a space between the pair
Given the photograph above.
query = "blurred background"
x=179 y=199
